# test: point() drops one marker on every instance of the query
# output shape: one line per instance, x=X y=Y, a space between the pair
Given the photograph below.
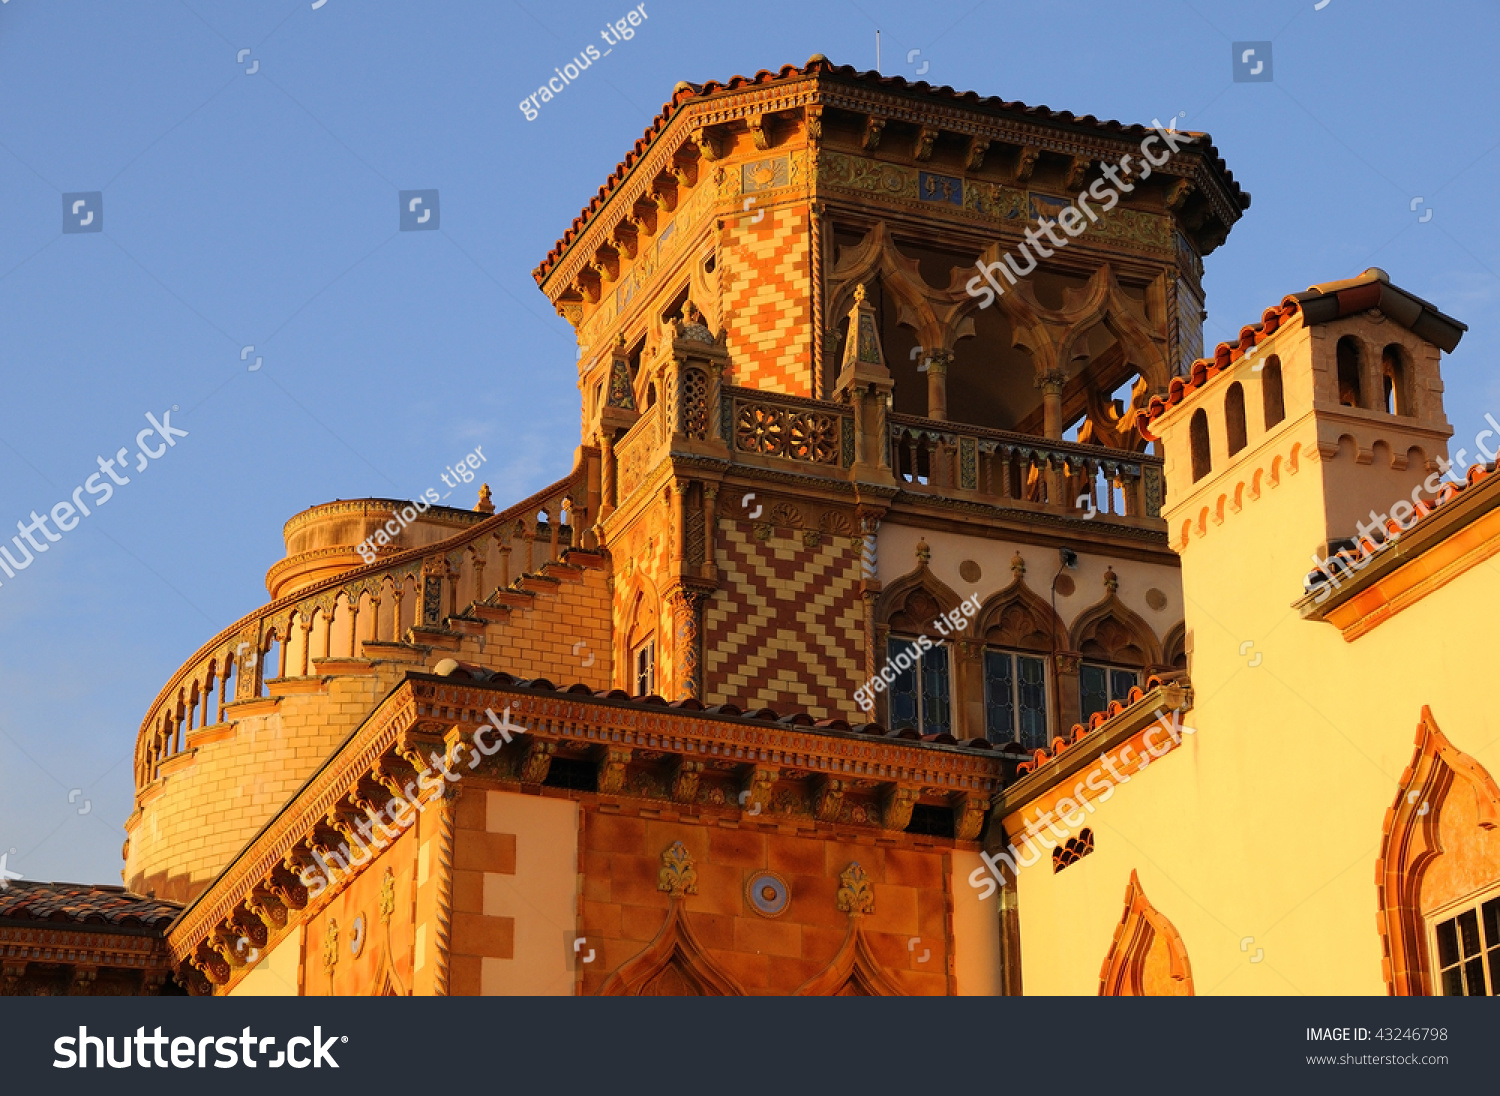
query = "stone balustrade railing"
x=393 y=601
x=941 y=458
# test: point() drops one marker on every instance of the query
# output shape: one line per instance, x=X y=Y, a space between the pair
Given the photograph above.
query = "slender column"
x=1051 y=383
x=607 y=473
x=710 y=529
x=937 y=362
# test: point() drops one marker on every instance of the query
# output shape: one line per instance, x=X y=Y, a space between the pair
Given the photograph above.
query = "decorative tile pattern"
x=786 y=630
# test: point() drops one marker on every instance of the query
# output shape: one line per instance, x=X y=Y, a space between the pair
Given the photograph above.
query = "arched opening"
x=1270 y=390
x=1198 y=439
x=1234 y=418
x=1393 y=372
x=1347 y=355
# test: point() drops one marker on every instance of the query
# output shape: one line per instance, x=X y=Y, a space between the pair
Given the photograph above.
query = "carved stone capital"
x=755 y=793
x=896 y=806
x=1078 y=171
x=974 y=154
x=612 y=768
x=1052 y=381
x=268 y=907
x=685 y=781
x=968 y=816
x=922 y=149
x=536 y=759
x=760 y=130
x=828 y=799
x=1026 y=162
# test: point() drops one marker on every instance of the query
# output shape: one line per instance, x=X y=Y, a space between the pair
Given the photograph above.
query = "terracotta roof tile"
x=474 y=672
x=1360 y=548
x=1318 y=304
x=1080 y=731
x=84 y=904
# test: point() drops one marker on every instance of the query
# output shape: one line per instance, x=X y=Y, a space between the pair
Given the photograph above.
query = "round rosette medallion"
x=767 y=893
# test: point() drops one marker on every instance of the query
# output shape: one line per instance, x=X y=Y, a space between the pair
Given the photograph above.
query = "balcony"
x=1022 y=472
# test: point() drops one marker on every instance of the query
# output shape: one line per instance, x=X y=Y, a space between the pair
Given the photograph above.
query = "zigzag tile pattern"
x=786 y=632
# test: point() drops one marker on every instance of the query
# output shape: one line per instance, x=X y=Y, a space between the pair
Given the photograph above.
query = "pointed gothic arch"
x=674 y=964
x=1104 y=302
x=854 y=971
x=1111 y=632
x=912 y=602
x=640 y=621
x=1174 y=647
x=1147 y=957
x=1016 y=618
x=1446 y=802
x=876 y=258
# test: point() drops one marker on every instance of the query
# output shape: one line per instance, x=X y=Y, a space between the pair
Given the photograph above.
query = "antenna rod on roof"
x=877 y=51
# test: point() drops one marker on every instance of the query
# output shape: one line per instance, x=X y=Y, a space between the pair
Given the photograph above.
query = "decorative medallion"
x=768 y=894
x=357 y=938
x=1156 y=599
x=969 y=571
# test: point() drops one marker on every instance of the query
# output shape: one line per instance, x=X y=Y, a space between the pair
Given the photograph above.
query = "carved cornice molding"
x=754 y=753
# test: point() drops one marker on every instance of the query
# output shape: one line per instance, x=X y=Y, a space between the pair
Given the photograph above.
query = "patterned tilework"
x=767 y=292
x=786 y=631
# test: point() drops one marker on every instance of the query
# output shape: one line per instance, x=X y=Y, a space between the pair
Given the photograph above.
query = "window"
x=1098 y=685
x=1393 y=368
x=1015 y=698
x=1463 y=958
x=645 y=668
x=1198 y=438
x=920 y=696
x=1234 y=418
x=1347 y=354
x=1270 y=390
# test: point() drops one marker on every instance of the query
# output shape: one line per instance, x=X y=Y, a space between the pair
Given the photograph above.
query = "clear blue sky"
x=262 y=209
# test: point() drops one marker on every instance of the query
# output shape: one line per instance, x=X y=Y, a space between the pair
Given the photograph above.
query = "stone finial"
x=485 y=505
x=924 y=553
x=855 y=894
x=1111 y=580
x=1018 y=566
x=863 y=365
x=678 y=875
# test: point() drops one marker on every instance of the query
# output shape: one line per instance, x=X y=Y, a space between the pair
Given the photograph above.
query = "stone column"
x=937 y=362
x=687 y=614
x=1051 y=383
x=608 y=499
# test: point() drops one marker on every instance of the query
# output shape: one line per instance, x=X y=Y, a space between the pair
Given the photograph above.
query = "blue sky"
x=260 y=208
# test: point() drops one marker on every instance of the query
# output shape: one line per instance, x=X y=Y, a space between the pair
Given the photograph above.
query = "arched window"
x=1393 y=371
x=1234 y=418
x=1349 y=365
x=1198 y=436
x=1270 y=390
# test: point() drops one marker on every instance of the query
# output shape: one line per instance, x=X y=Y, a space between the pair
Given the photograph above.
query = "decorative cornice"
x=415 y=717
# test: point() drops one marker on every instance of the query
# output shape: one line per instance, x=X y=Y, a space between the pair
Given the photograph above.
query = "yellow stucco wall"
x=1258 y=839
